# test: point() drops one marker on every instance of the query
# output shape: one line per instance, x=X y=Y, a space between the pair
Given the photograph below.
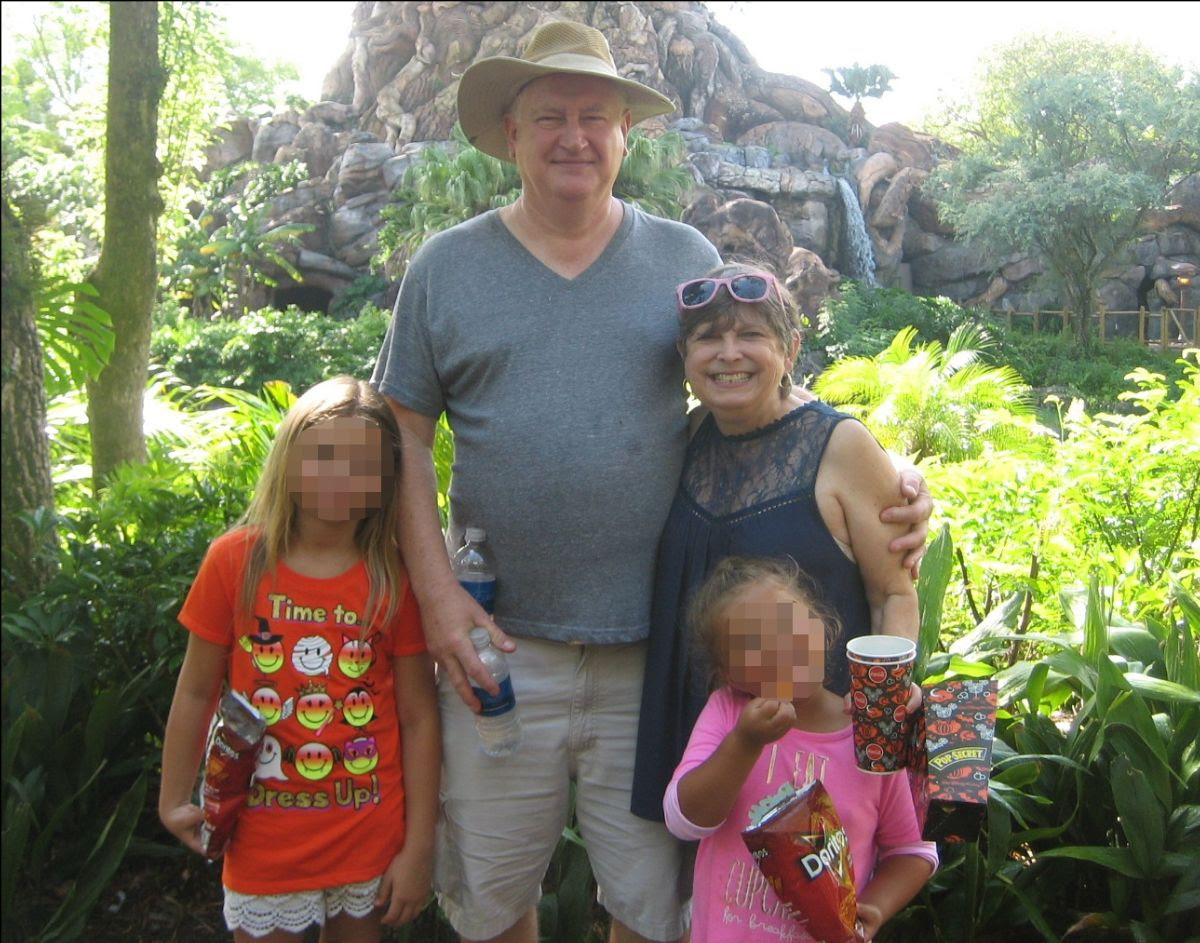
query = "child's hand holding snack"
x=764 y=720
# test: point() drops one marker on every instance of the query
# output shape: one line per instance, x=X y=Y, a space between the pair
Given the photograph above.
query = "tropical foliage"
x=445 y=185
x=54 y=106
x=261 y=346
x=925 y=400
x=860 y=320
x=75 y=333
x=1118 y=491
x=231 y=246
x=1065 y=566
x=1093 y=824
x=1071 y=143
x=859 y=81
x=88 y=666
x=655 y=175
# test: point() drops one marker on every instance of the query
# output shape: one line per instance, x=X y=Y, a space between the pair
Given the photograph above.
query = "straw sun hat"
x=489 y=86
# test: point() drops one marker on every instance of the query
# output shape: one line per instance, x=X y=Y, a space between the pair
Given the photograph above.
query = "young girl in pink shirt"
x=770 y=723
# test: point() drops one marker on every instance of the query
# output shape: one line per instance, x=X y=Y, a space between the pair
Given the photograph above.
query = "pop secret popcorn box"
x=950 y=757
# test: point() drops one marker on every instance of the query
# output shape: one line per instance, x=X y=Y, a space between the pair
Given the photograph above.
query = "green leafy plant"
x=1051 y=362
x=858 y=81
x=359 y=295
x=1093 y=821
x=261 y=346
x=233 y=245
x=928 y=400
x=76 y=334
x=655 y=175
x=88 y=670
x=861 y=320
x=445 y=185
x=1116 y=490
x=89 y=662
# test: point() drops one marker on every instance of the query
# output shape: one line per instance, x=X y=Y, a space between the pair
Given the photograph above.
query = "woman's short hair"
x=778 y=310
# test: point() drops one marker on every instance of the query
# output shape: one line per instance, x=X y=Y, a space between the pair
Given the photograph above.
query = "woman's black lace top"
x=751 y=495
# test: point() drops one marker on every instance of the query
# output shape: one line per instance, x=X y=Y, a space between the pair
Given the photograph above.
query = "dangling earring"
x=785 y=384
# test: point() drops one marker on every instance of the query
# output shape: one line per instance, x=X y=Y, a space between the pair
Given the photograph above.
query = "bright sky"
x=931 y=47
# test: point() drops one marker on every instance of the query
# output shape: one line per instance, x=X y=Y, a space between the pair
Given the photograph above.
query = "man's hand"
x=915 y=511
x=765 y=720
x=447 y=624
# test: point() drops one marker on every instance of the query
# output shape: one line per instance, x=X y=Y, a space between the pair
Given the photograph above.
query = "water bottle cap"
x=480 y=638
x=476 y=534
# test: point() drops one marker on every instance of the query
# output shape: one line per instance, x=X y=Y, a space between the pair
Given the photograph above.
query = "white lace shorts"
x=260 y=914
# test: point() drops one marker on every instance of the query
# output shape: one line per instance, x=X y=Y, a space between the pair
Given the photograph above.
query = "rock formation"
x=764 y=150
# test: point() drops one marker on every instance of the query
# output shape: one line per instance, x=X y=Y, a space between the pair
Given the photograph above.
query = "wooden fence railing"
x=1176 y=327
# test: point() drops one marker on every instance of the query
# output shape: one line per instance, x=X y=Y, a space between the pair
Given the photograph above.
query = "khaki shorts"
x=502 y=818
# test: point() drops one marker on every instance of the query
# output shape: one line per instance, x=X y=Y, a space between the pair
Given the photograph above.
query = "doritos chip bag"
x=233 y=746
x=798 y=842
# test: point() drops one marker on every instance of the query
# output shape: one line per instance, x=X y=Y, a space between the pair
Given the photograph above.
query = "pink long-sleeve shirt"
x=732 y=902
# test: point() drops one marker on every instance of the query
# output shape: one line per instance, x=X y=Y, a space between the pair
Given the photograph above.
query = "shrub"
x=1093 y=819
x=932 y=401
x=1118 y=492
x=89 y=667
x=301 y=348
x=861 y=320
x=360 y=295
x=1053 y=362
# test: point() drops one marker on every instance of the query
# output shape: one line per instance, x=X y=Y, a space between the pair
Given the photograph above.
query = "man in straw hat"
x=545 y=330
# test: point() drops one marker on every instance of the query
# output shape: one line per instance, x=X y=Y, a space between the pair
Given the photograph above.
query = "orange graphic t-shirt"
x=327 y=803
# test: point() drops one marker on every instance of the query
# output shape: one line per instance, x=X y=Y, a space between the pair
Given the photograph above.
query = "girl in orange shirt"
x=304 y=609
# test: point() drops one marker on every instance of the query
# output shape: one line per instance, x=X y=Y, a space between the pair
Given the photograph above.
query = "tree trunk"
x=28 y=552
x=126 y=275
x=1080 y=295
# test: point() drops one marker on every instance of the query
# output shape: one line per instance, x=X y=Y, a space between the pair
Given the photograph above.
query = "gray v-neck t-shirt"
x=567 y=405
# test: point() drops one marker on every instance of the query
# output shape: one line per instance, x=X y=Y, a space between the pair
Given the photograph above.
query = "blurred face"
x=336 y=470
x=773 y=643
x=567 y=136
x=735 y=370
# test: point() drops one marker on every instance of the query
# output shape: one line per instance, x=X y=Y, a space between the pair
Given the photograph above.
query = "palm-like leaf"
x=929 y=400
x=857 y=81
x=75 y=333
x=655 y=175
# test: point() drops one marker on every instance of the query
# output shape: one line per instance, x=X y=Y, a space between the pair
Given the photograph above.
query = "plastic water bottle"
x=475 y=568
x=498 y=723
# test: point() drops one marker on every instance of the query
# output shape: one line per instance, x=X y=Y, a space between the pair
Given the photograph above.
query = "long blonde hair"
x=272 y=511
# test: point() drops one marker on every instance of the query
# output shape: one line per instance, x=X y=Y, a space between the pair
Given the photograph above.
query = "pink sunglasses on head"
x=751 y=287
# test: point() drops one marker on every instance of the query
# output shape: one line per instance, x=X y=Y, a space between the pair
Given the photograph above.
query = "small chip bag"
x=233 y=746
x=798 y=842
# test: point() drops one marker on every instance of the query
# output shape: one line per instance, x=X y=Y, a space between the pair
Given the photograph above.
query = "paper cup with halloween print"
x=881 y=668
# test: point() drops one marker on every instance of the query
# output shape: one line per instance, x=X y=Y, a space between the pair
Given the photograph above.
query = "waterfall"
x=861 y=254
